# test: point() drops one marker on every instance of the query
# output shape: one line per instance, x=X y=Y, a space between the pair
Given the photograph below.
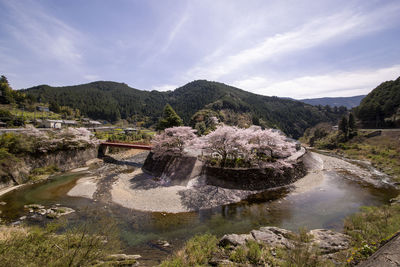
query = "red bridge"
x=126 y=145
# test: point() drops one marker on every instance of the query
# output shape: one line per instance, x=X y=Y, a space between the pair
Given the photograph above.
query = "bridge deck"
x=126 y=145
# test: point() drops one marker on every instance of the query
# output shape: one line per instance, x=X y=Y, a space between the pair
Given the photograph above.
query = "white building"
x=52 y=124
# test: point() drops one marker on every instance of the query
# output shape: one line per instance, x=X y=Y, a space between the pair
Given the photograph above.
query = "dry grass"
x=8 y=232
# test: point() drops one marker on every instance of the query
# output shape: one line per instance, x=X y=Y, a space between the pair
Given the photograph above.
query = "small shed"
x=52 y=124
x=42 y=109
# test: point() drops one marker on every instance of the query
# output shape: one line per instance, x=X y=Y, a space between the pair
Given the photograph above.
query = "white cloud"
x=330 y=29
x=336 y=84
x=165 y=87
x=45 y=35
x=91 y=77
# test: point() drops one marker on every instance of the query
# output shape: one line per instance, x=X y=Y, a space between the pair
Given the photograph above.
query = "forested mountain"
x=112 y=101
x=348 y=102
x=381 y=107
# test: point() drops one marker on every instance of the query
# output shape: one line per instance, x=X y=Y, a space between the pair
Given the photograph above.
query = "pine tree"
x=3 y=79
x=352 y=125
x=169 y=118
x=343 y=126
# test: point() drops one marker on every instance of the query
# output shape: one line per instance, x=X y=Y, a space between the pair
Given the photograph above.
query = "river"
x=324 y=205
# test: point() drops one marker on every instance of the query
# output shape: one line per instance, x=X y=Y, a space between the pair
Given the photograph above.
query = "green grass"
x=82 y=245
x=197 y=252
x=370 y=228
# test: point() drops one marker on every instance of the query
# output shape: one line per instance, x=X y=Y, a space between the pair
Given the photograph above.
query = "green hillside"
x=112 y=101
x=381 y=107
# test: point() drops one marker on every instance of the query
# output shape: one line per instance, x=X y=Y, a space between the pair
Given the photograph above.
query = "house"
x=42 y=109
x=52 y=124
x=69 y=123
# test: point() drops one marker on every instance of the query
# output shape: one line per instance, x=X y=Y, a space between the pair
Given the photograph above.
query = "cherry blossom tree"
x=68 y=138
x=173 y=141
x=252 y=144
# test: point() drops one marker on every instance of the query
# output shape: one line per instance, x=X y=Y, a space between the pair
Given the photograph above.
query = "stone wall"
x=179 y=170
x=253 y=178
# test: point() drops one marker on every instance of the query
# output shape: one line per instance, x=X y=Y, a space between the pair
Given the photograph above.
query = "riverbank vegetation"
x=87 y=244
x=370 y=229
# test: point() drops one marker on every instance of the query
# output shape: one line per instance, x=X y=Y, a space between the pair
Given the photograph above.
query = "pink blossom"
x=173 y=141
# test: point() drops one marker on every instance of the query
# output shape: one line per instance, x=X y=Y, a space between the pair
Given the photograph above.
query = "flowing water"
x=324 y=206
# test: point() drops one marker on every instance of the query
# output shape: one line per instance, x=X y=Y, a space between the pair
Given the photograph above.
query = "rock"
x=273 y=236
x=163 y=243
x=235 y=240
x=395 y=201
x=329 y=241
x=2 y=203
x=52 y=215
x=122 y=257
x=22 y=218
x=279 y=231
x=220 y=262
x=34 y=207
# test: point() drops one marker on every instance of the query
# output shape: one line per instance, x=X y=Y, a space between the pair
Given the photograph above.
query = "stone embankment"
x=64 y=160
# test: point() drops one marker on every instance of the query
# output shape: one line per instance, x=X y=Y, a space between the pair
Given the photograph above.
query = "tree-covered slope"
x=381 y=107
x=112 y=101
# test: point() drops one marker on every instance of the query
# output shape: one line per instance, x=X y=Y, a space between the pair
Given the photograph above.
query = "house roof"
x=55 y=121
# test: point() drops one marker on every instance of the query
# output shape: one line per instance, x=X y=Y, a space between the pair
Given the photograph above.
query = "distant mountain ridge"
x=348 y=102
x=112 y=101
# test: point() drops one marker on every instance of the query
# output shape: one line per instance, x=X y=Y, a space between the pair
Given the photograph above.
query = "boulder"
x=235 y=240
x=329 y=241
x=273 y=236
x=220 y=262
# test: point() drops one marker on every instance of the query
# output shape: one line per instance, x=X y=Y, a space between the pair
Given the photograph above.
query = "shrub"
x=238 y=255
x=254 y=253
x=197 y=251
x=82 y=245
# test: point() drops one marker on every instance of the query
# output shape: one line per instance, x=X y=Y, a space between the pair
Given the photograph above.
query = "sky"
x=298 y=49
